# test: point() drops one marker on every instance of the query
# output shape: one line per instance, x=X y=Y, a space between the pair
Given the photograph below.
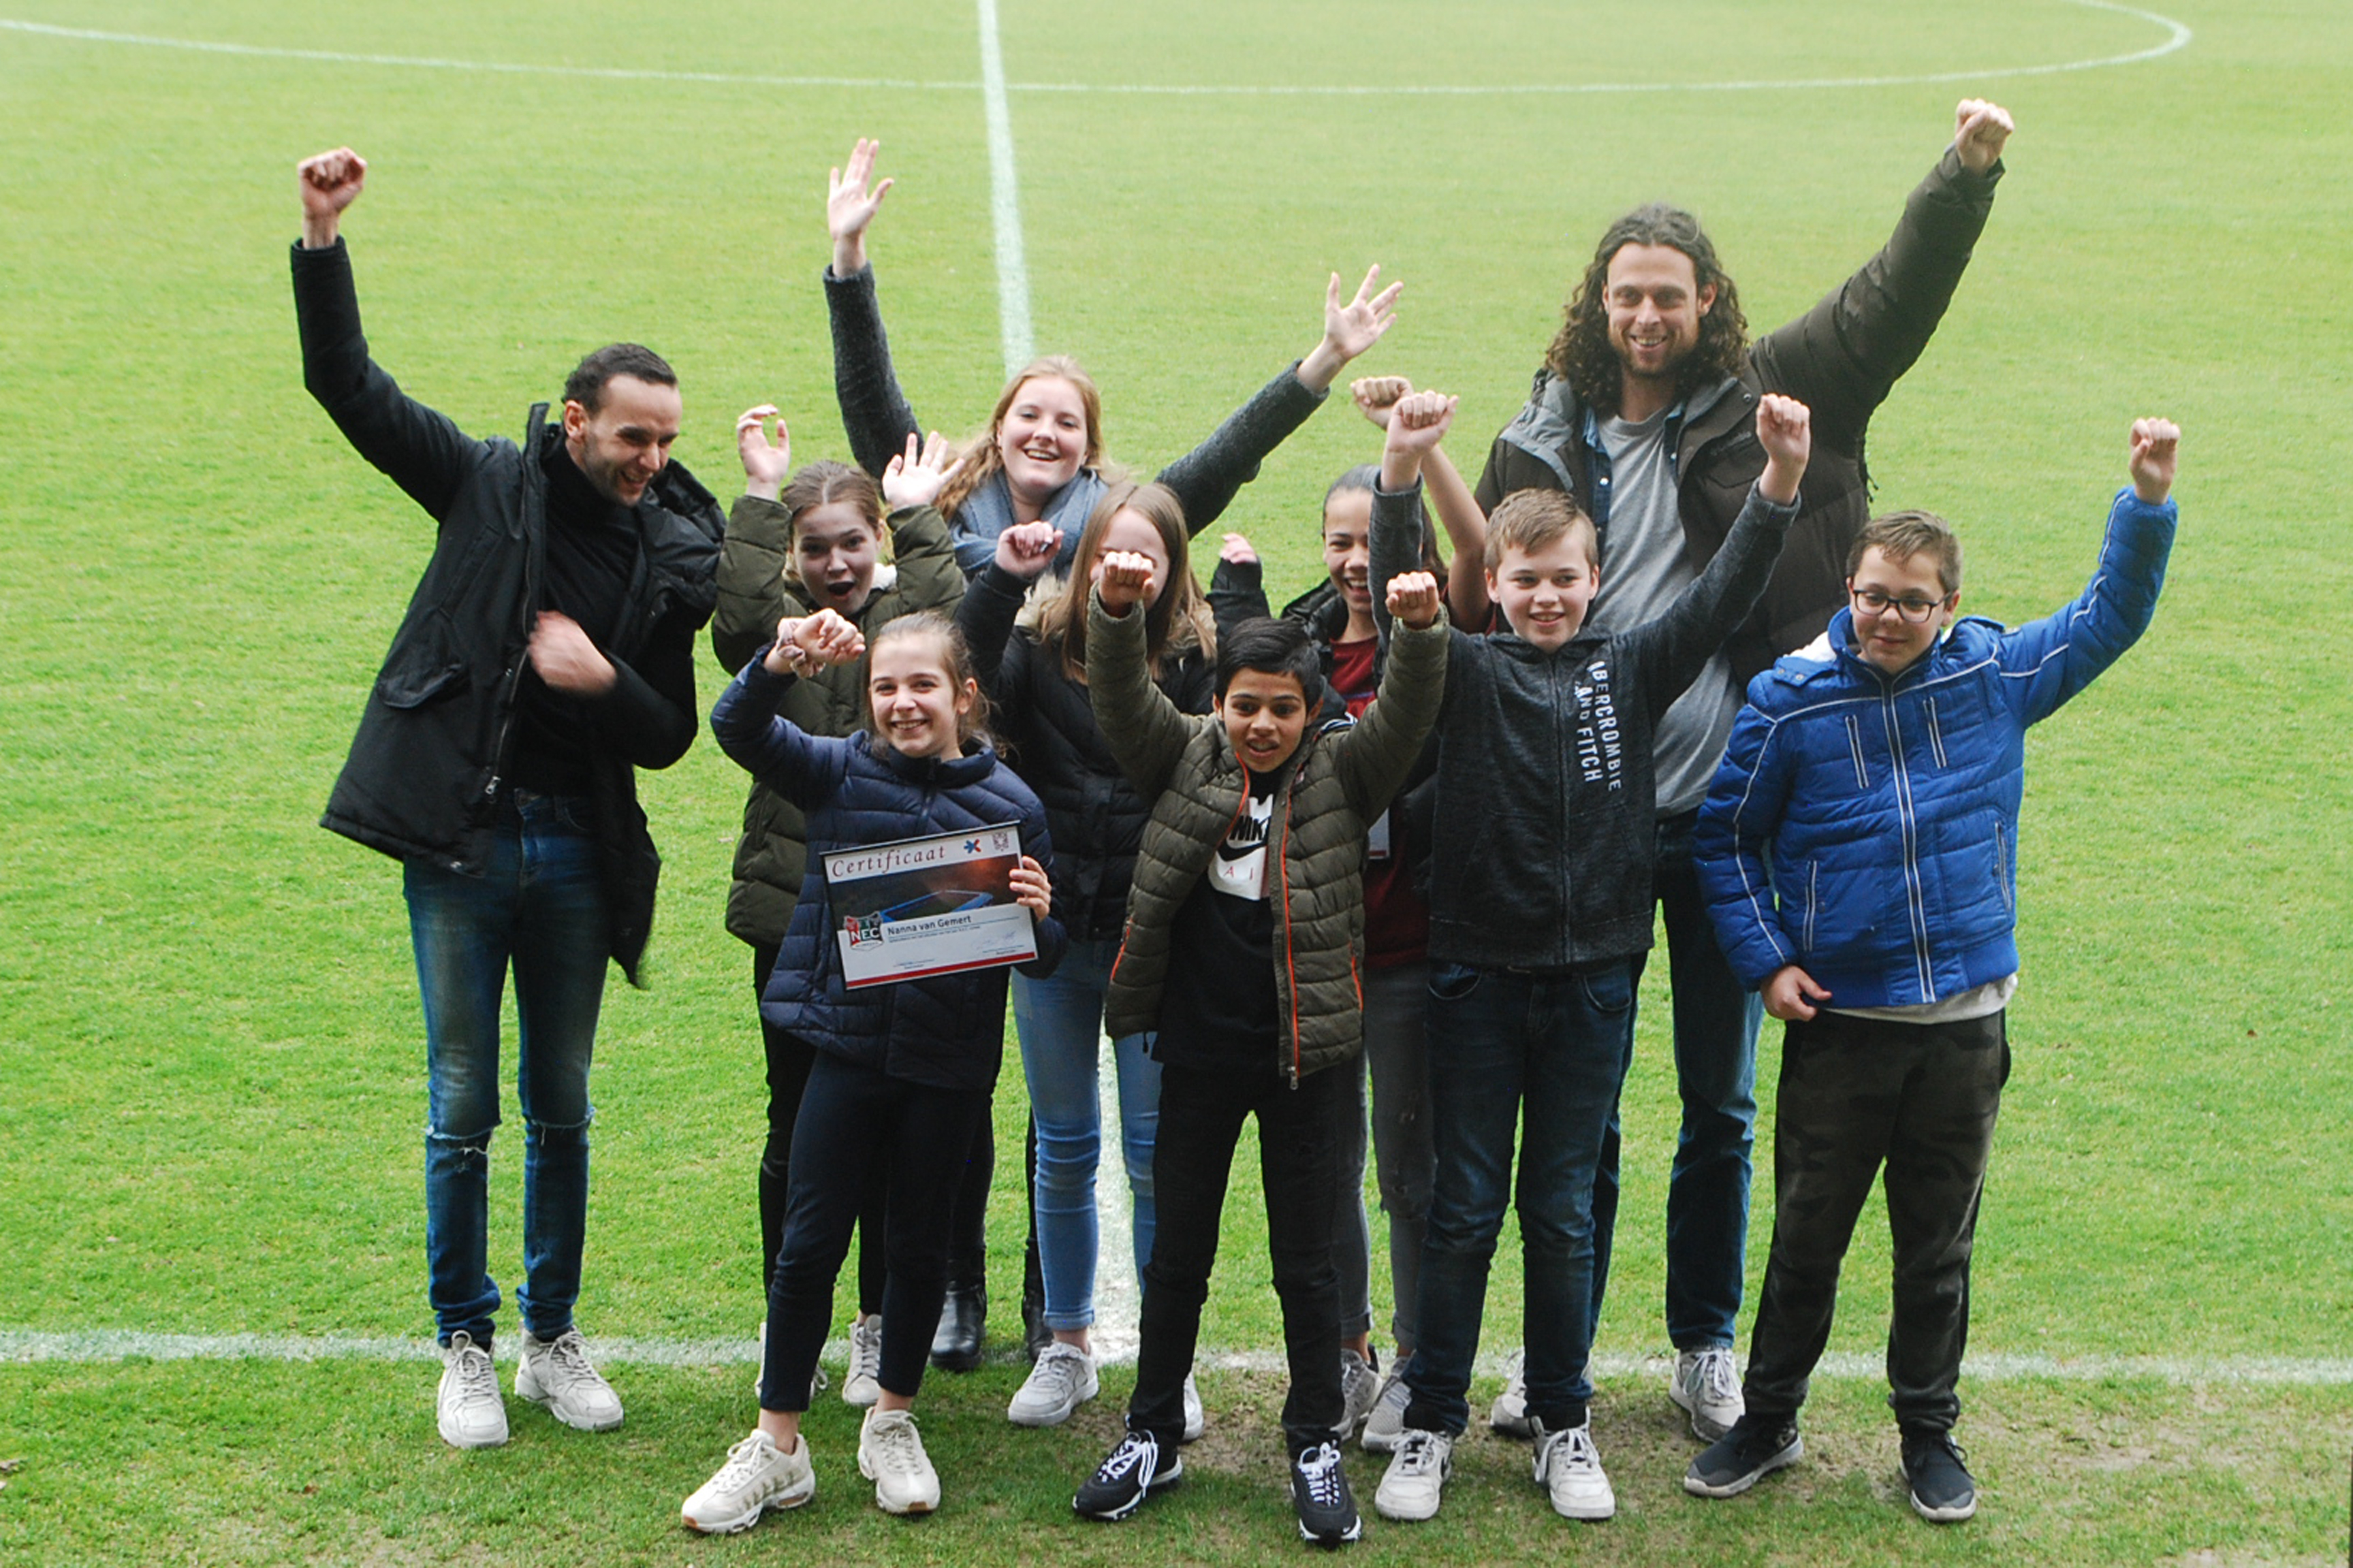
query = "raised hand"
x=1236 y=550
x=2155 y=443
x=1349 y=328
x=767 y=463
x=566 y=658
x=809 y=643
x=1413 y=599
x=1420 y=421
x=915 y=478
x=850 y=206
x=1785 y=429
x=329 y=182
x=1127 y=581
x=1032 y=889
x=1981 y=130
x=1027 y=549
x=1790 y=995
x=1375 y=396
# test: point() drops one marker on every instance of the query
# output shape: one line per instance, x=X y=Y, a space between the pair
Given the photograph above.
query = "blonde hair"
x=1527 y=521
x=1179 y=623
x=985 y=459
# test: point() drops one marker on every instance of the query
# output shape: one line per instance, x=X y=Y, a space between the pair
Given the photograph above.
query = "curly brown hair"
x=1580 y=353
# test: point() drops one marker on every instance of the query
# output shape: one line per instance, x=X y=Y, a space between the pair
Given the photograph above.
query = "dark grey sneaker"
x=1942 y=1489
x=1753 y=1450
x=1319 y=1491
x=1129 y=1473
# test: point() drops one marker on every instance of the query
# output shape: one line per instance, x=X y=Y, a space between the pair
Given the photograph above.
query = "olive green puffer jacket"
x=757 y=588
x=1340 y=780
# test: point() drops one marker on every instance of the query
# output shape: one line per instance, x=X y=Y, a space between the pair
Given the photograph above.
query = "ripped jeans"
x=539 y=906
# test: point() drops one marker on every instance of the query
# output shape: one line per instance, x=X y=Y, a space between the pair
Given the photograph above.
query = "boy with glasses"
x=1859 y=851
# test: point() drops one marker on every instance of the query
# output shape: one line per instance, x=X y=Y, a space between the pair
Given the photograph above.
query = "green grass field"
x=210 y=1064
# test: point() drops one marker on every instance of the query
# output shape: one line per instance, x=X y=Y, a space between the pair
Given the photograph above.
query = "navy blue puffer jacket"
x=1864 y=825
x=946 y=1031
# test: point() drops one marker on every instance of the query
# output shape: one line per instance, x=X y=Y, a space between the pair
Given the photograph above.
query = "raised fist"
x=1125 y=580
x=1375 y=396
x=1027 y=549
x=2155 y=443
x=1413 y=599
x=329 y=182
x=1980 y=131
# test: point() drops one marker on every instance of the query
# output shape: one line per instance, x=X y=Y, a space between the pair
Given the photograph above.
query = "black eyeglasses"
x=1878 y=603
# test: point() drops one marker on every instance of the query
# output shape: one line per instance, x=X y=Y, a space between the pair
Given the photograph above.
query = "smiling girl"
x=798 y=543
x=900 y=1073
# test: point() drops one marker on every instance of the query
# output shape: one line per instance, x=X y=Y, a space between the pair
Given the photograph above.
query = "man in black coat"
x=546 y=653
x=1645 y=413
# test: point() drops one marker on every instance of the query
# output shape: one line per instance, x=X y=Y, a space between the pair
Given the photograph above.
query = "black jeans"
x=1855 y=1092
x=850 y=1114
x=1201 y=1118
x=788 y=1068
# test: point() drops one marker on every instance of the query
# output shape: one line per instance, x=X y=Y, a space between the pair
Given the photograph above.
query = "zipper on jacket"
x=1854 y=747
x=1908 y=813
x=1813 y=899
x=1936 y=736
x=2001 y=867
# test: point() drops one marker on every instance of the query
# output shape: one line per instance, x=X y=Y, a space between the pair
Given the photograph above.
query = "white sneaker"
x=557 y=1372
x=1509 y=1414
x=1196 y=1419
x=1415 y=1483
x=862 y=1383
x=1385 y=1424
x=757 y=1475
x=468 y=1406
x=891 y=1455
x=1063 y=1379
x=1708 y=1384
x=1360 y=1384
x=1568 y=1467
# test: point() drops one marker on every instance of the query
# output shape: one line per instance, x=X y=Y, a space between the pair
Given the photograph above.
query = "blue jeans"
x=1715 y=1074
x=1498 y=1041
x=1396 y=1003
x=1061 y=1023
x=539 y=906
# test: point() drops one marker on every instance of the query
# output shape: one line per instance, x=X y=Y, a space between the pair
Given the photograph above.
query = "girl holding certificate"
x=903 y=1069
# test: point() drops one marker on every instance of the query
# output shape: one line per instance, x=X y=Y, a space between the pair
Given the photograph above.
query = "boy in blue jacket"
x=1859 y=853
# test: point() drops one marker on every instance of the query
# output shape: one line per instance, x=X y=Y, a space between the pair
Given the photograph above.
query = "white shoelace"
x=1133 y=1451
x=866 y=1349
x=1320 y=1466
x=477 y=1377
x=1719 y=1384
x=745 y=1462
x=897 y=1446
x=567 y=1360
x=1418 y=1454
x=1060 y=1371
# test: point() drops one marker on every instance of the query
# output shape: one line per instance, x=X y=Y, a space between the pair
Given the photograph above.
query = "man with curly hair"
x=1646 y=412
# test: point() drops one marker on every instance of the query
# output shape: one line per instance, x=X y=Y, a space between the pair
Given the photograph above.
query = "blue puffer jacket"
x=1865 y=825
x=947 y=1031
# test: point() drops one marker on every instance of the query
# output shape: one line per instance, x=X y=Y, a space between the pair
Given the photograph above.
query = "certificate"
x=928 y=906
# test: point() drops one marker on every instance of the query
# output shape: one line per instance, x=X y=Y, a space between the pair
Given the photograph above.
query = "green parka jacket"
x=1342 y=777
x=758 y=587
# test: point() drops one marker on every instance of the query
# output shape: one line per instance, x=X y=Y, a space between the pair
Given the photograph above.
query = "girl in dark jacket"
x=798 y=543
x=1041 y=461
x=903 y=1070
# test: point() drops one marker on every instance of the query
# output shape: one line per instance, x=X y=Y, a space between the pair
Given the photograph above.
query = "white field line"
x=2178 y=35
x=1118 y=1295
x=1004 y=200
x=102 y=1345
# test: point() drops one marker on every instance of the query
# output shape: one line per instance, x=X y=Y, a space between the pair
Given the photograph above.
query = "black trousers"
x=1857 y=1094
x=921 y=1135
x=788 y=1068
x=1201 y=1116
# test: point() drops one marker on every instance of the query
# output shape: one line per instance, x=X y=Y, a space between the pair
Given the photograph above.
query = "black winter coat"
x=948 y=1030
x=1840 y=359
x=1047 y=721
x=424 y=774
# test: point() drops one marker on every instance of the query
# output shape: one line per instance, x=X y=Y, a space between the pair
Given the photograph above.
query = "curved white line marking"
x=2178 y=35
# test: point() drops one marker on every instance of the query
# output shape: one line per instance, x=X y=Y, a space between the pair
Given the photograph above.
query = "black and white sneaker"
x=1754 y=1448
x=1942 y=1489
x=1319 y=1491
x=1129 y=1473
